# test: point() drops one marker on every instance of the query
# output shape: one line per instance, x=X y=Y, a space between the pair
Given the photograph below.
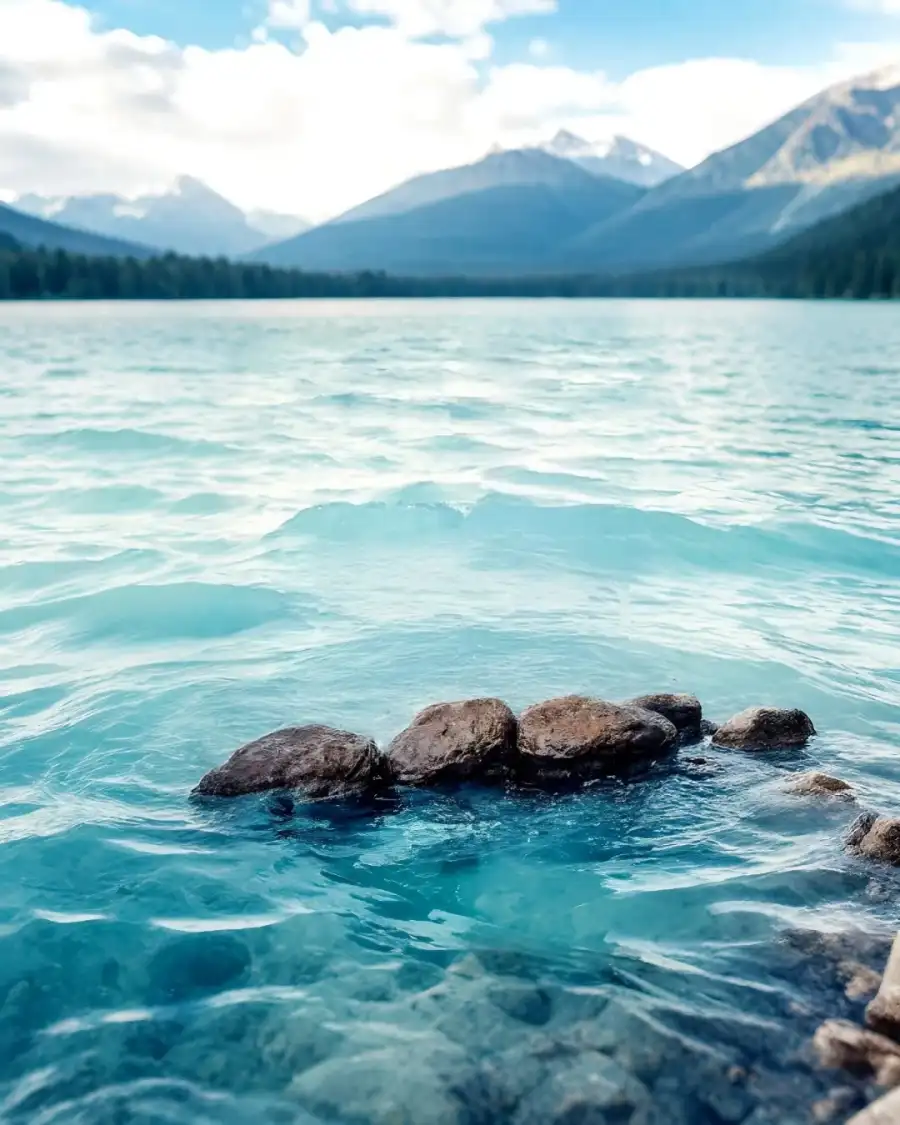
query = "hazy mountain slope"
x=502 y=229
x=191 y=218
x=27 y=230
x=619 y=157
x=497 y=169
x=872 y=227
x=826 y=155
x=447 y=221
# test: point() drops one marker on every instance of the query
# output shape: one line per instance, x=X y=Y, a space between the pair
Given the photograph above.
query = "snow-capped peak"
x=615 y=156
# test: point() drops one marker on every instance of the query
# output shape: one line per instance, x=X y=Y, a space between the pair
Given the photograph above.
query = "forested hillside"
x=854 y=255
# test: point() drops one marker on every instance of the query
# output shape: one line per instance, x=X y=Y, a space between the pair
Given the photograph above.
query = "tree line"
x=859 y=269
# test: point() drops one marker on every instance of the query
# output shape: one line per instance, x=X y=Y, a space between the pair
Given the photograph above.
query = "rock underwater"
x=455 y=742
x=316 y=761
x=765 y=728
x=577 y=736
x=818 y=785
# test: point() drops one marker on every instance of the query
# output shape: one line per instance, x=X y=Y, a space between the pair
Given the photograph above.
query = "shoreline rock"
x=765 y=728
x=886 y=1111
x=684 y=712
x=841 y=1045
x=883 y=1013
x=577 y=736
x=875 y=837
x=472 y=739
x=319 y=762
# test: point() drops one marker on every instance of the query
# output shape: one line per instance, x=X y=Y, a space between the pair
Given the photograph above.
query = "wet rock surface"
x=886 y=1111
x=577 y=736
x=684 y=712
x=875 y=837
x=455 y=742
x=765 y=728
x=816 y=784
x=317 y=762
x=842 y=1045
x=883 y=1014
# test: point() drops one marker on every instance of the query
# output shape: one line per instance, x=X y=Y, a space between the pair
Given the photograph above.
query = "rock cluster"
x=871 y=1051
x=481 y=739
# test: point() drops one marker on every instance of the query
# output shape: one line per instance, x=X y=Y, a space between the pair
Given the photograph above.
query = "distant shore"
x=38 y=274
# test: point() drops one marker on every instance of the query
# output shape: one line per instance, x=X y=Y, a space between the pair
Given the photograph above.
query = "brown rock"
x=859 y=980
x=765 y=728
x=454 y=741
x=578 y=736
x=886 y=1111
x=844 y=1046
x=835 y=1106
x=876 y=837
x=317 y=761
x=883 y=1014
x=818 y=785
x=684 y=712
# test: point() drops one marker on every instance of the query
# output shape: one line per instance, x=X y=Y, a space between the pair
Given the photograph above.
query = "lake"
x=222 y=518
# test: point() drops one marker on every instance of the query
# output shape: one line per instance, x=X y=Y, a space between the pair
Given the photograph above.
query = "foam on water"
x=224 y=518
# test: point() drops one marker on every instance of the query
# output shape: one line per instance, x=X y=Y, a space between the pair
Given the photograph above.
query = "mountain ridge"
x=190 y=217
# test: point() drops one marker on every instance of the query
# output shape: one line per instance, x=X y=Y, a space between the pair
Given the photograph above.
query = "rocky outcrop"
x=818 y=785
x=842 y=1045
x=684 y=712
x=875 y=837
x=883 y=1014
x=317 y=762
x=886 y=1111
x=765 y=728
x=581 y=737
x=454 y=742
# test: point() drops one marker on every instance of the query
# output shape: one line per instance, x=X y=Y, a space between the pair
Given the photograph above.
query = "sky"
x=310 y=106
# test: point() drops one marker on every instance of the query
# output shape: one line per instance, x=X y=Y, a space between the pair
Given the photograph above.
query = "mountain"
x=275 y=227
x=29 y=231
x=508 y=211
x=191 y=218
x=619 y=157
x=857 y=251
x=828 y=154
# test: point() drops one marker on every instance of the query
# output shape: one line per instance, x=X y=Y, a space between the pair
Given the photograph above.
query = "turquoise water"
x=221 y=519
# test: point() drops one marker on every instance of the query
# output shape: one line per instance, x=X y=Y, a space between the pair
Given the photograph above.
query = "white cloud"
x=288 y=14
x=456 y=18
x=352 y=112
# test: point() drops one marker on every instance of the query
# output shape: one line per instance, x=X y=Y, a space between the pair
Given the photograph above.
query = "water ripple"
x=338 y=513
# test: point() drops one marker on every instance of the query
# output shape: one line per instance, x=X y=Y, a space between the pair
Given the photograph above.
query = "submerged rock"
x=876 y=837
x=454 y=742
x=859 y=980
x=684 y=712
x=844 y=1046
x=317 y=761
x=883 y=1014
x=765 y=728
x=587 y=1088
x=193 y=966
x=886 y=1111
x=409 y=1084
x=819 y=785
x=577 y=736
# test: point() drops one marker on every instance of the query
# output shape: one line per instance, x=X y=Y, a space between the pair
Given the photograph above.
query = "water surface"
x=224 y=518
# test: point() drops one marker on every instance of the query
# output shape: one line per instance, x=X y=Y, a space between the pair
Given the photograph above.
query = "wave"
x=90 y=439
x=148 y=613
x=605 y=535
